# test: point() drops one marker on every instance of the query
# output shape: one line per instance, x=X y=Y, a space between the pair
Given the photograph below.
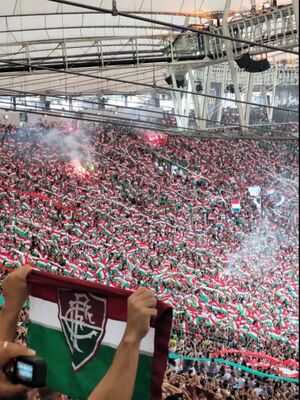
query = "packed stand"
x=101 y=205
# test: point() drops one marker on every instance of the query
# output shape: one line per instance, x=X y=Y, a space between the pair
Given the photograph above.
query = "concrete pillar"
x=222 y=94
x=253 y=5
x=195 y=98
x=207 y=87
x=177 y=102
x=296 y=12
x=249 y=92
x=231 y=62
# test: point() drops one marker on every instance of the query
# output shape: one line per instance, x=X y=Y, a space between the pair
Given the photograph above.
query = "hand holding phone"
x=30 y=371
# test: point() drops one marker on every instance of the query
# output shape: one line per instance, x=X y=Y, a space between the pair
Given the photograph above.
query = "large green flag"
x=77 y=326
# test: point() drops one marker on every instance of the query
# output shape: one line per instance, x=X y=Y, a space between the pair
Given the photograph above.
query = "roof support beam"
x=213 y=14
x=135 y=50
x=19 y=67
x=194 y=97
x=64 y=54
x=270 y=112
x=296 y=12
x=222 y=94
x=253 y=6
x=249 y=92
x=205 y=100
x=233 y=73
x=100 y=52
x=51 y=28
x=177 y=102
x=28 y=57
x=85 y=39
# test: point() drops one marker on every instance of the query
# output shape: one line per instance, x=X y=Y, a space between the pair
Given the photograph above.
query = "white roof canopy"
x=39 y=30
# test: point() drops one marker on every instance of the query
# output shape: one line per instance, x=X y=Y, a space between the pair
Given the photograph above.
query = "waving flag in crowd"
x=235 y=205
x=129 y=223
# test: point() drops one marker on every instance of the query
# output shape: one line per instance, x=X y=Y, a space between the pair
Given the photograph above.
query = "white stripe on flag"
x=45 y=313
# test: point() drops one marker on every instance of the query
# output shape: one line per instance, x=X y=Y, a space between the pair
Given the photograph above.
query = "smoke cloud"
x=275 y=230
x=74 y=147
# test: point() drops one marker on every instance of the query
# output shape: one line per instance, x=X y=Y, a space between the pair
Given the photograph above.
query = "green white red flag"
x=76 y=326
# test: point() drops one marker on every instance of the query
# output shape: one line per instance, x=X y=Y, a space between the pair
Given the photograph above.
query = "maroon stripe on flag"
x=45 y=284
x=161 y=349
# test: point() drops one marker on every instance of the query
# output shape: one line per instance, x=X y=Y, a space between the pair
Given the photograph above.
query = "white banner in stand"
x=254 y=190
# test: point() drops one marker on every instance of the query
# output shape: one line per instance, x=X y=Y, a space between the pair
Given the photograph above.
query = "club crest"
x=83 y=320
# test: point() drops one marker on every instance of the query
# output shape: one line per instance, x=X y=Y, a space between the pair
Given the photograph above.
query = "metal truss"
x=277 y=27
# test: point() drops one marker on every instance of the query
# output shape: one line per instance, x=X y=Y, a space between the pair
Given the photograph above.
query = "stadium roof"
x=34 y=32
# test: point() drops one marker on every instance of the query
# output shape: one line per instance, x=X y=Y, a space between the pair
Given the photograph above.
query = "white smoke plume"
x=275 y=228
x=259 y=250
x=73 y=147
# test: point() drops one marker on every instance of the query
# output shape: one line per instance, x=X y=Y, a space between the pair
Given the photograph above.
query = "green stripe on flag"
x=21 y=233
x=51 y=345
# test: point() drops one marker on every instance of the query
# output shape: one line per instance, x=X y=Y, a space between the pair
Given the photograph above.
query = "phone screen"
x=24 y=371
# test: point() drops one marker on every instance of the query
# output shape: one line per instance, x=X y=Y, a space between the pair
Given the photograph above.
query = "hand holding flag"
x=15 y=290
x=141 y=307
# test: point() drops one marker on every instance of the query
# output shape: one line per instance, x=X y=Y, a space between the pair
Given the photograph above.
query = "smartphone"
x=27 y=371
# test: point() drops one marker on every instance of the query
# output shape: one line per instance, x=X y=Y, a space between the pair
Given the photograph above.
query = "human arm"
x=15 y=293
x=118 y=383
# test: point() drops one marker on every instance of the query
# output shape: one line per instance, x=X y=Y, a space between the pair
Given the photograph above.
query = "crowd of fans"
x=259 y=123
x=211 y=380
x=230 y=116
x=97 y=203
x=281 y=123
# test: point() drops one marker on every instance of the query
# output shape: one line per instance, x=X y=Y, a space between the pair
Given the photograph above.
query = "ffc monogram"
x=83 y=320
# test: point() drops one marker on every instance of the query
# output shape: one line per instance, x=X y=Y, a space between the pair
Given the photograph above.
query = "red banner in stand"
x=273 y=362
x=153 y=138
